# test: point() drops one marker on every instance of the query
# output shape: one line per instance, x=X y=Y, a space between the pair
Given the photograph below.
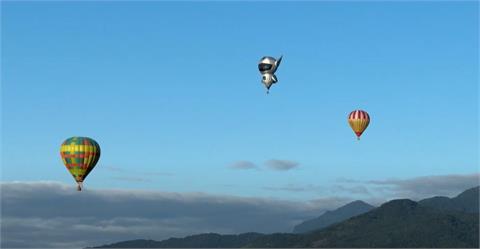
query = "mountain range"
x=430 y=223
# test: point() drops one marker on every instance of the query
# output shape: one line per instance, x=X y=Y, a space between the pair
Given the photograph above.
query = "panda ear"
x=277 y=63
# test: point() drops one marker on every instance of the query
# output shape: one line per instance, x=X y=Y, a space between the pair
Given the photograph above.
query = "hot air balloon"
x=80 y=155
x=359 y=121
x=267 y=67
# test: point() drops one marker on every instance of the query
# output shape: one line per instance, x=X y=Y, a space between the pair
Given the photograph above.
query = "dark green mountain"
x=467 y=201
x=437 y=222
x=398 y=223
x=331 y=217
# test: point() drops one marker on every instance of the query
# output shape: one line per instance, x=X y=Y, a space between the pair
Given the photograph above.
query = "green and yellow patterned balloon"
x=80 y=155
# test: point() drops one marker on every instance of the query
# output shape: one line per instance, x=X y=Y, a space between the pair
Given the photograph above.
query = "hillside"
x=207 y=240
x=467 y=201
x=398 y=223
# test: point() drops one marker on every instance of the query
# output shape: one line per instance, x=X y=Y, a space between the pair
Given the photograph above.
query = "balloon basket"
x=79 y=186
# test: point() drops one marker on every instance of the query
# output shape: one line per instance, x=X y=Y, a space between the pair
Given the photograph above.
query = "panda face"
x=263 y=67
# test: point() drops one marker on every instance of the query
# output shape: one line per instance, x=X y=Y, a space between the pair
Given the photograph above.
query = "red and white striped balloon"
x=359 y=121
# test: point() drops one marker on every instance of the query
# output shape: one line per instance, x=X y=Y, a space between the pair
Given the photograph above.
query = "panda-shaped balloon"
x=267 y=67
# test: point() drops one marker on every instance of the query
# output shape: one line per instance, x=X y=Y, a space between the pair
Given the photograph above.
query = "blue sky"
x=172 y=93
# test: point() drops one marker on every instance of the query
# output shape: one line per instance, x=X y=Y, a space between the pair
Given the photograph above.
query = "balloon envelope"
x=80 y=155
x=359 y=121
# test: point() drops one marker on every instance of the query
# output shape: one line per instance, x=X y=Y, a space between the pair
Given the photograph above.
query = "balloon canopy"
x=80 y=155
x=359 y=121
x=267 y=67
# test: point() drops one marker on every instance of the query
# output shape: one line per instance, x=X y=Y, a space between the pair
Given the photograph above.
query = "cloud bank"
x=49 y=214
x=413 y=188
x=426 y=186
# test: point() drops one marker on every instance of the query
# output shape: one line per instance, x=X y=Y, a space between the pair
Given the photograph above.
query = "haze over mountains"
x=433 y=222
x=330 y=217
